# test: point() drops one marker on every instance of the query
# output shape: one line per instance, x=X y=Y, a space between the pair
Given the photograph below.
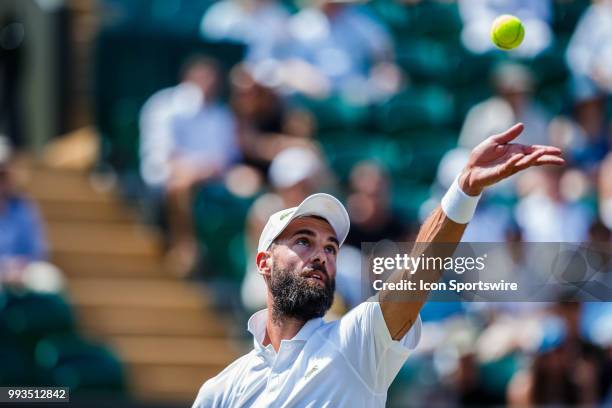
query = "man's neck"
x=280 y=328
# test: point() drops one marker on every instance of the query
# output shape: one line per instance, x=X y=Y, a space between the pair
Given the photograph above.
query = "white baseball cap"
x=321 y=205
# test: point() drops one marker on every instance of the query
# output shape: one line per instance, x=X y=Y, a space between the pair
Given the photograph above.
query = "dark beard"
x=293 y=296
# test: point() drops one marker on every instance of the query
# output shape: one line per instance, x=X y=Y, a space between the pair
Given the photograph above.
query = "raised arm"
x=490 y=162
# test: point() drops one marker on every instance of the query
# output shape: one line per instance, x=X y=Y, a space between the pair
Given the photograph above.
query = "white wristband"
x=457 y=205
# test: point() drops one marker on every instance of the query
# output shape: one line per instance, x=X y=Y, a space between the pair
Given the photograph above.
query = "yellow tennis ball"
x=507 y=32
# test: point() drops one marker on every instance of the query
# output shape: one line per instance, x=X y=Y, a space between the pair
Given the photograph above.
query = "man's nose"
x=319 y=255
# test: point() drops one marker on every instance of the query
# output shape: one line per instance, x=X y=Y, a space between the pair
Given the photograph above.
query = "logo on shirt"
x=311 y=372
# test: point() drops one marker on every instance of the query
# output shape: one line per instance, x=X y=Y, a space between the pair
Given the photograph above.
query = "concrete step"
x=54 y=184
x=100 y=265
x=173 y=369
x=112 y=321
x=60 y=209
x=134 y=292
x=163 y=382
x=103 y=238
x=174 y=350
x=161 y=327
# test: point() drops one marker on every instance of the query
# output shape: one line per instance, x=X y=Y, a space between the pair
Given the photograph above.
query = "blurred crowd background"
x=204 y=117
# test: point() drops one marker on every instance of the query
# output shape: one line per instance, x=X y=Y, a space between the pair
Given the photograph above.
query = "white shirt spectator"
x=543 y=220
x=259 y=24
x=589 y=52
x=343 y=47
x=490 y=224
x=478 y=16
x=177 y=123
x=349 y=363
x=495 y=115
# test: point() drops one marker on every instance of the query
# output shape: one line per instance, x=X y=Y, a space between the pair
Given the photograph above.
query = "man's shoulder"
x=213 y=390
x=354 y=317
x=235 y=368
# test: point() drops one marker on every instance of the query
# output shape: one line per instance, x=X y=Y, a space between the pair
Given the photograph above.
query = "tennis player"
x=299 y=360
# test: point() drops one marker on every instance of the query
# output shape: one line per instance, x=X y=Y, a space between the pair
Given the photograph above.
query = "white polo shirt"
x=349 y=363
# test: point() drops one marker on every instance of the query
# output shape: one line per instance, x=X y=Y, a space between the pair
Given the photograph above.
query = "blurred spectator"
x=187 y=137
x=259 y=24
x=12 y=35
x=592 y=359
x=513 y=84
x=550 y=379
x=335 y=47
x=605 y=191
x=589 y=53
x=369 y=206
x=265 y=127
x=294 y=174
x=548 y=214
x=478 y=16
x=372 y=220
x=566 y=369
x=587 y=139
x=22 y=241
x=253 y=291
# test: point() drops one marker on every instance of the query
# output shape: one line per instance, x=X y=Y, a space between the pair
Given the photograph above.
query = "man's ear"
x=264 y=263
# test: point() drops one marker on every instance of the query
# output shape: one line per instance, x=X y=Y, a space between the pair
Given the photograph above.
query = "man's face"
x=303 y=270
x=205 y=78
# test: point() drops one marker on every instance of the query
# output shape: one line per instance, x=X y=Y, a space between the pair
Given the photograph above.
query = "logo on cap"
x=286 y=214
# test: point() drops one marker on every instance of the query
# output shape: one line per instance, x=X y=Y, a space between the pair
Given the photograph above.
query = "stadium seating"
x=28 y=316
x=85 y=367
x=131 y=64
x=416 y=108
x=566 y=15
x=344 y=149
x=219 y=223
x=39 y=345
x=17 y=364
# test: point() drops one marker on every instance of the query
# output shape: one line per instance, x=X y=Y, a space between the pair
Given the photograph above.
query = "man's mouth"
x=316 y=275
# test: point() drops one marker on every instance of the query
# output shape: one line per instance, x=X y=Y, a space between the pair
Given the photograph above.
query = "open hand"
x=496 y=159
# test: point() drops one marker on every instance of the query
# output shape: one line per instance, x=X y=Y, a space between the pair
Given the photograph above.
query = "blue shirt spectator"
x=22 y=234
x=186 y=127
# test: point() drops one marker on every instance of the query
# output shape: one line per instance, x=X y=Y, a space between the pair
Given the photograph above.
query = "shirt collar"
x=257 y=327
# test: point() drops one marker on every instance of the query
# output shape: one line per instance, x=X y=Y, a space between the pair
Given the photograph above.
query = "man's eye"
x=331 y=250
x=302 y=241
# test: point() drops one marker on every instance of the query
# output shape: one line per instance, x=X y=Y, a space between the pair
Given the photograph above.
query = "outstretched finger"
x=539 y=159
x=549 y=159
x=509 y=135
x=530 y=159
x=527 y=149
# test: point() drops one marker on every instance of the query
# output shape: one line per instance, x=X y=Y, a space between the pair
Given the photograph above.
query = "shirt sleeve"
x=208 y=397
x=365 y=341
x=220 y=391
x=156 y=139
x=32 y=241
